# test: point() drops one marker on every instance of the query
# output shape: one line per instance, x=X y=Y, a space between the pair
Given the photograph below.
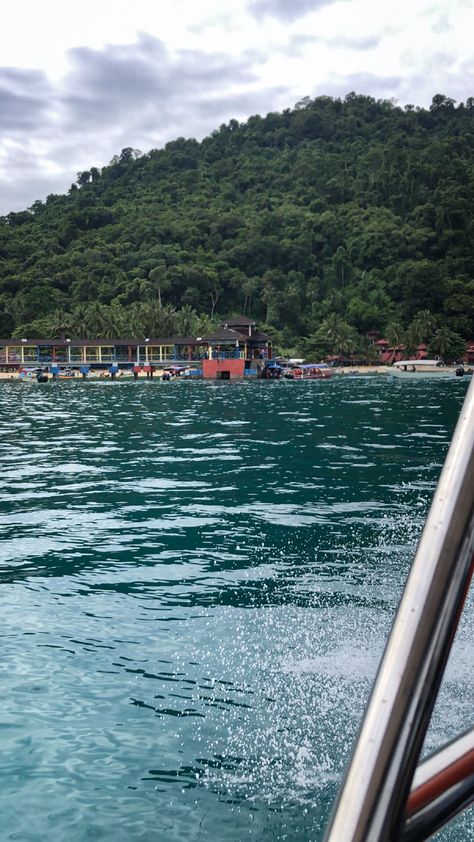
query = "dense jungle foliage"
x=325 y=222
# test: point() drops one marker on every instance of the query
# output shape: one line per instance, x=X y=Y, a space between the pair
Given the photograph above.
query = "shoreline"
x=392 y=371
x=342 y=371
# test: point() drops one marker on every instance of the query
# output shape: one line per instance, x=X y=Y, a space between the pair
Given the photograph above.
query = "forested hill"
x=334 y=217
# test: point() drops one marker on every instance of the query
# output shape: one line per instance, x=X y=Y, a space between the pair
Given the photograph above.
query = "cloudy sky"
x=80 y=81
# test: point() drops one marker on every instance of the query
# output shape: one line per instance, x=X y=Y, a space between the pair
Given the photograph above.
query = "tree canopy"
x=325 y=222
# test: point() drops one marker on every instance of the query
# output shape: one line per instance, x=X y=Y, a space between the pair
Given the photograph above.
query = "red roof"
x=392 y=354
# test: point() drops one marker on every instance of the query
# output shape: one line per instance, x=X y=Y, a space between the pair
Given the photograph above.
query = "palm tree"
x=341 y=335
x=112 y=322
x=412 y=338
x=315 y=346
x=135 y=317
x=425 y=323
x=186 y=320
x=79 y=324
x=205 y=325
x=345 y=341
x=169 y=319
x=156 y=282
x=95 y=318
x=330 y=325
x=447 y=344
x=367 y=350
x=59 y=324
x=420 y=329
x=143 y=319
x=249 y=287
x=395 y=334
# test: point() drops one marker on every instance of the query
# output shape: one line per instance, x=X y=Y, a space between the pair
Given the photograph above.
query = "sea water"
x=197 y=582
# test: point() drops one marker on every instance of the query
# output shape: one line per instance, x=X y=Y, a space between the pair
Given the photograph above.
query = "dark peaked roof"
x=257 y=336
x=236 y=321
x=226 y=334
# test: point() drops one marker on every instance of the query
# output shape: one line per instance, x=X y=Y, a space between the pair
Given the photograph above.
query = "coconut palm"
x=394 y=334
x=425 y=323
x=249 y=287
x=155 y=284
x=366 y=350
x=169 y=319
x=112 y=322
x=59 y=324
x=205 y=325
x=346 y=340
x=412 y=338
x=341 y=335
x=315 y=346
x=95 y=319
x=420 y=329
x=447 y=344
x=186 y=320
x=144 y=319
x=79 y=321
x=135 y=318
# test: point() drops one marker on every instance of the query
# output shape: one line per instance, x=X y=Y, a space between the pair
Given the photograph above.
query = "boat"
x=145 y=373
x=275 y=370
x=308 y=371
x=101 y=376
x=404 y=368
x=387 y=793
x=33 y=375
x=463 y=372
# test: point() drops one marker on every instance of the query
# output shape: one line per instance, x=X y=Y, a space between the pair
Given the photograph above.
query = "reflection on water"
x=197 y=583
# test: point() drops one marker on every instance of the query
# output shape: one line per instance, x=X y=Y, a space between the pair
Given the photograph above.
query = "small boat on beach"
x=68 y=374
x=33 y=375
x=309 y=371
x=274 y=370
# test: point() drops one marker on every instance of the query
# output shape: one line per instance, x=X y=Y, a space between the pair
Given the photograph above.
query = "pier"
x=235 y=350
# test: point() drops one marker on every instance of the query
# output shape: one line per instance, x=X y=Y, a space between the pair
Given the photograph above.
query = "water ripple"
x=197 y=582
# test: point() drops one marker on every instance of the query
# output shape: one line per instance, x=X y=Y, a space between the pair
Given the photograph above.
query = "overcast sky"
x=80 y=81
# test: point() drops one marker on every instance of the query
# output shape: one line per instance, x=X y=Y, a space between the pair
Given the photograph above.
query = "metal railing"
x=382 y=799
x=226 y=355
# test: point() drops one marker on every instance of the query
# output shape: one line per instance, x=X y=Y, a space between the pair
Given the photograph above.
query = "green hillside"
x=324 y=222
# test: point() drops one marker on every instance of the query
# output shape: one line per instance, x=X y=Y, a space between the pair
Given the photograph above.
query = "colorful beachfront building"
x=391 y=354
x=234 y=350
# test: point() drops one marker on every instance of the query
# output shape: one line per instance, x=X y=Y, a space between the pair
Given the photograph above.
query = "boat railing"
x=385 y=797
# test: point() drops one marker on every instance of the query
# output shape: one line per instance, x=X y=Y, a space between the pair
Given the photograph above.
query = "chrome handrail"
x=372 y=802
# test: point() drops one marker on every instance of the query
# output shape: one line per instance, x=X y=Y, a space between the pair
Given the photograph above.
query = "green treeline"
x=324 y=222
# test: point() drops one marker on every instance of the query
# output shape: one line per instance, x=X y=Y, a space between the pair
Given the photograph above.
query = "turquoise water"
x=197 y=581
